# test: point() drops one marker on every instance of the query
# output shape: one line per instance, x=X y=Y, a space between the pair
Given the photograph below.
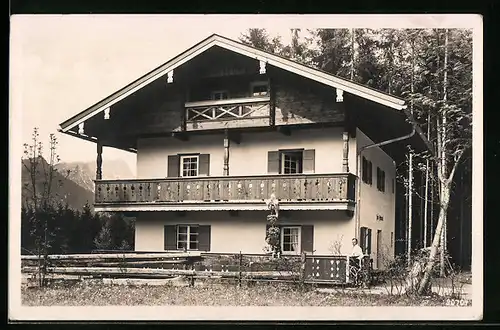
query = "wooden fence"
x=239 y=267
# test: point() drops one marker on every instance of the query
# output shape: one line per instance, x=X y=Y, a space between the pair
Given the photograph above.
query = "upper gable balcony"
x=228 y=102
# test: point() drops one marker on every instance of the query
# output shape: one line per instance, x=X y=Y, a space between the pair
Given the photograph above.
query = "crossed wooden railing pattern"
x=227 y=109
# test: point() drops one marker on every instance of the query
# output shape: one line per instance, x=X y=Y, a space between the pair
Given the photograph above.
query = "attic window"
x=260 y=88
x=219 y=95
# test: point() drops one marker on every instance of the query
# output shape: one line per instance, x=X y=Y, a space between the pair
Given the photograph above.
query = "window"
x=291 y=162
x=290 y=239
x=259 y=88
x=187 y=237
x=189 y=165
x=380 y=180
x=220 y=95
x=367 y=175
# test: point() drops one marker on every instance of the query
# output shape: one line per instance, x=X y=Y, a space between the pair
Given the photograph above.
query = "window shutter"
x=369 y=241
x=204 y=166
x=273 y=162
x=362 y=239
x=370 y=172
x=378 y=178
x=170 y=237
x=364 y=170
x=307 y=239
x=204 y=238
x=173 y=166
x=308 y=161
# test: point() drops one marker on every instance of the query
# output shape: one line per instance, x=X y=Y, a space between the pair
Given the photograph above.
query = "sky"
x=62 y=64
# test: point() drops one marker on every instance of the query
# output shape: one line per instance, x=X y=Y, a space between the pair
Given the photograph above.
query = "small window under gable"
x=219 y=95
x=259 y=88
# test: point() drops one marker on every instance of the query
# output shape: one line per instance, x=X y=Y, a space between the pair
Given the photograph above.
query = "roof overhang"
x=256 y=206
x=236 y=47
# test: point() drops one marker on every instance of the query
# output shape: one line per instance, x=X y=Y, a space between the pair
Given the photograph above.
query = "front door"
x=379 y=248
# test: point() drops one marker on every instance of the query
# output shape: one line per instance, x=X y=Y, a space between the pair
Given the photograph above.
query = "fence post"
x=302 y=267
x=239 y=269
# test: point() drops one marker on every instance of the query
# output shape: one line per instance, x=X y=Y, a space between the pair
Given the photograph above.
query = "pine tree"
x=334 y=52
x=259 y=38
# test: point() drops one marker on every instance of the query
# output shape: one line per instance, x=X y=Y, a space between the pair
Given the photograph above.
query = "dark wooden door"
x=379 y=248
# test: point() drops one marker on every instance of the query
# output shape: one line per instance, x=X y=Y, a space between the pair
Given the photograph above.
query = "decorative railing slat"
x=240 y=109
x=289 y=188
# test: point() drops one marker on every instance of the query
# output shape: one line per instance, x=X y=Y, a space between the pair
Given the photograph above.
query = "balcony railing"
x=242 y=112
x=298 y=188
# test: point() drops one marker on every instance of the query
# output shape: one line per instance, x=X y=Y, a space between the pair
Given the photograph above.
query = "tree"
x=259 y=38
x=335 y=52
x=452 y=117
x=103 y=239
x=41 y=196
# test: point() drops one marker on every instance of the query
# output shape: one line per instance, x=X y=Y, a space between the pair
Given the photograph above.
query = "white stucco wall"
x=245 y=232
x=250 y=156
x=375 y=202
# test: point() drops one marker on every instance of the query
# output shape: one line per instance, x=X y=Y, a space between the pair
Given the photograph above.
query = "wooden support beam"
x=262 y=67
x=226 y=153
x=98 y=172
x=340 y=95
x=345 y=152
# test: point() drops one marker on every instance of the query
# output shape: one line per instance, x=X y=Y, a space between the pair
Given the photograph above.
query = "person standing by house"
x=356 y=249
x=356 y=263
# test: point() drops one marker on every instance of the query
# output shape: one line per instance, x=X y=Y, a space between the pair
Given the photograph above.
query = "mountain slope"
x=65 y=190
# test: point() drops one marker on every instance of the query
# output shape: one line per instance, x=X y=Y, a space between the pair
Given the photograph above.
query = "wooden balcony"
x=294 y=192
x=231 y=113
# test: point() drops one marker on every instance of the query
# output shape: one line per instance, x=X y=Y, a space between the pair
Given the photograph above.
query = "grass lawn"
x=97 y=294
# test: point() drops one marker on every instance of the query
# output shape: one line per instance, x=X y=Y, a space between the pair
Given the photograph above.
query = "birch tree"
x=452 y=116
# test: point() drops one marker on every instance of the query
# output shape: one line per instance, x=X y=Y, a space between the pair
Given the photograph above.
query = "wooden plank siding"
x=164 y=109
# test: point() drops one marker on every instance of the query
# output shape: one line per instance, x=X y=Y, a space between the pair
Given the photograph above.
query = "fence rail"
x=307 y=268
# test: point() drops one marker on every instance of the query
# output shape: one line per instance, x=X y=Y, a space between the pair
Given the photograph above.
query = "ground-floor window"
x=290 y=239
x=187 y=237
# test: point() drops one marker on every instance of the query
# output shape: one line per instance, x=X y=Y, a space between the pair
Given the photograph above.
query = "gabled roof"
x=237 y=47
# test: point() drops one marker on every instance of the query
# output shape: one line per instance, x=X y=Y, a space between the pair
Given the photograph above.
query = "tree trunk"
x=444 y=155
x=445 y=181
x=352 y=54
x=443 y=211
x=410 y=205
